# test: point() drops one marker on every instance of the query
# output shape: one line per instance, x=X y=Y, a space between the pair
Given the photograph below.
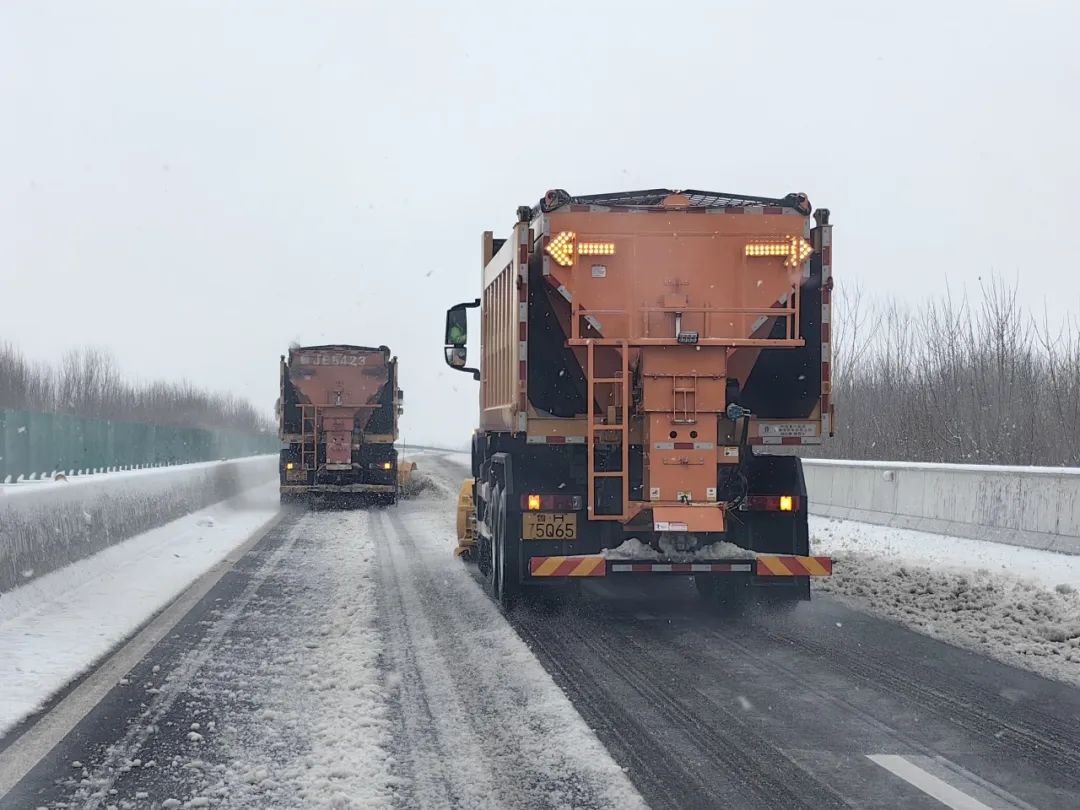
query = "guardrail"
x=1036 y=507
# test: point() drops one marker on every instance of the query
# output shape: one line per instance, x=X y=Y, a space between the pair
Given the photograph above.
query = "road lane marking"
x=927 y=782
x=54 y=726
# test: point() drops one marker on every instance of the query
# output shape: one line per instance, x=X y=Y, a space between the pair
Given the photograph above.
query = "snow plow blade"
x=595 y=565
x=466 y=521
x=405 y=472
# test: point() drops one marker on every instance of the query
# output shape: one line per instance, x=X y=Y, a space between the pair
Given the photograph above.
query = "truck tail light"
x=773 y=503
x=535 y=502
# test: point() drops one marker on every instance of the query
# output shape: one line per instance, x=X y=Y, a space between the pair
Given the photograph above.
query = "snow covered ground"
x=483 y=725
x=358 y=665
x=54 y=628
x=1019 y=605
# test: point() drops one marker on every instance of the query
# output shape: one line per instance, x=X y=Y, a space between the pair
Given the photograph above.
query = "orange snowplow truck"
x=338 y=420
x=640 y=354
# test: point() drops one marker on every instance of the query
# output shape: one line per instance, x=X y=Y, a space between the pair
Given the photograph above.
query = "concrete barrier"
x=45 y=526
x=1037 y=507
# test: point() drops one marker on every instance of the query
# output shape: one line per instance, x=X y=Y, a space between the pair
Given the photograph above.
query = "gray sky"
x=193 y=184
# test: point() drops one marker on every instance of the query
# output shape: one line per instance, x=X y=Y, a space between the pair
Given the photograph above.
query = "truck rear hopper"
x=635 y=349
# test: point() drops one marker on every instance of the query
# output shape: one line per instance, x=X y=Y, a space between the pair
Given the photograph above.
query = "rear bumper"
x=764 y=565
x=300 y=489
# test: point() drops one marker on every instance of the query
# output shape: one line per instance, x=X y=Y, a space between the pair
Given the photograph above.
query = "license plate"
x=549 y=526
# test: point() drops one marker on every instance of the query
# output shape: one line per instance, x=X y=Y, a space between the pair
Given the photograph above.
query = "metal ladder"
x=622 y=427
x=688 y=414
x=309 y=437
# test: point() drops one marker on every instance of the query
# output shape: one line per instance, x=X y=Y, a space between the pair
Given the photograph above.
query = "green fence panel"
x=116 y=442
x=36 y=444
x=40 y=433
x=3 y=447
x=17 y=443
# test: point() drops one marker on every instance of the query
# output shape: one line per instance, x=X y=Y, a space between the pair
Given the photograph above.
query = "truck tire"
x=783 y=600
x=505 y=579
x=731 y=596
x=493 y=519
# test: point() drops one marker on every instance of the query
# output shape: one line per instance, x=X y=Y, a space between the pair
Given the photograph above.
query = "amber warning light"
x=561 y=248
x=795 y=249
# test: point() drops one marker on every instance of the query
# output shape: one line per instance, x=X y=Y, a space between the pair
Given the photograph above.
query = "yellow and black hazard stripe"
x=592 y=565
x=789 y=565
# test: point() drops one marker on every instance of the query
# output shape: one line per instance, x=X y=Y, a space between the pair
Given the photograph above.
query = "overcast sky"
x=193 y=185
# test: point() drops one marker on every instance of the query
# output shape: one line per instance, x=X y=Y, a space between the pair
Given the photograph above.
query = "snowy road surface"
x=348 y=661
x=57 y=625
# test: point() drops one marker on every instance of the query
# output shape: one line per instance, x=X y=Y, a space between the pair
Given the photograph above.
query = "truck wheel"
x=494 y=518
x=705 y=586
x=730 y=595
x=506 y=577
x=784 y=599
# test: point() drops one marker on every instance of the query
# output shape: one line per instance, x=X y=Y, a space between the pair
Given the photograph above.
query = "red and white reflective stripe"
x=532 y=439
x=523 y=325
x=679 y=568
x=543 y=228
x=826 y=327
x=559 y=286
x=784 y=440
x=685 y=446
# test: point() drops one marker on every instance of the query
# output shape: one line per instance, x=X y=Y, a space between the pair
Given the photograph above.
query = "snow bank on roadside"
x=55 y=627
x=49 y=525
x=1018 y=605
x=1048 y=568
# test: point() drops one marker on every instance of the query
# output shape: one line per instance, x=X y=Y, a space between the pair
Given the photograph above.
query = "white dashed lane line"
x=934 y=786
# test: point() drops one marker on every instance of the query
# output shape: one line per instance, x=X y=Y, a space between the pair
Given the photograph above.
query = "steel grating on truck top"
x=654 y=198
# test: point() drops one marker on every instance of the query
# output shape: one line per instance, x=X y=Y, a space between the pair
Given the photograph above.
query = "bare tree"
x=87 y=382
x=955 y=381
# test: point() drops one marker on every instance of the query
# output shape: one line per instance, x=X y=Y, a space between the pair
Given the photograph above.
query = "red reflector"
x=772 y=503
x=553 y=503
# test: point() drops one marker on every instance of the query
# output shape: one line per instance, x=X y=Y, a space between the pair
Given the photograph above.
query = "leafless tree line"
x=87 y=383
x=966 y=380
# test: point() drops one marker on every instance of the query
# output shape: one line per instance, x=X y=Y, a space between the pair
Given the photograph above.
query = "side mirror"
x=457 y=337
x=457 y=326
x=456 y=356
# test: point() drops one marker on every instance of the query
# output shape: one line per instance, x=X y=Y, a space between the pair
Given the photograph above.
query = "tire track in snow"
x=104 y=776
x=523 y=734
x=728 y=743
x=428 y=740
x=1016 y=732
x=320 y=682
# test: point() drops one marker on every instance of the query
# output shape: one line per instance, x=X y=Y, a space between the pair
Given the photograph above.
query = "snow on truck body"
x=338 y=413
x=634 y=349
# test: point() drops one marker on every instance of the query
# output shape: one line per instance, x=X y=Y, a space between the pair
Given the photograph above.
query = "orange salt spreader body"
x=338 y=421
x=640 y=355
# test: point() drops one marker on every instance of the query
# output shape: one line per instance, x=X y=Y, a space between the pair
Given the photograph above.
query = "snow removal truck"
x=338 y=421
x=641 y=353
